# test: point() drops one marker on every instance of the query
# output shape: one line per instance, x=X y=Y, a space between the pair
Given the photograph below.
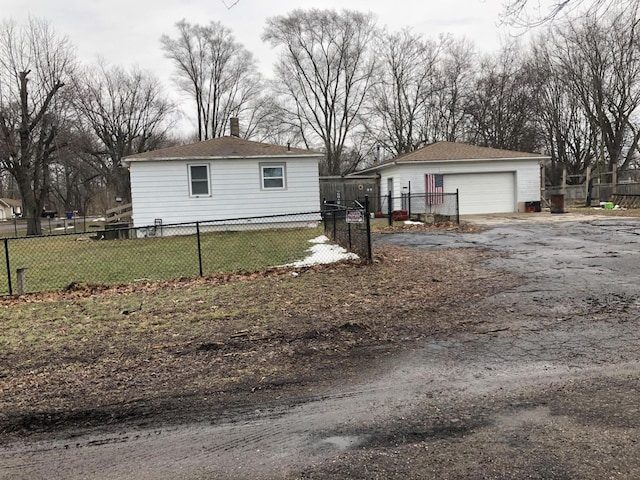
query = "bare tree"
x=231 y=4
x=271 y=123
x=529 y=14
x=74 y=180
x=447 y=105
x=122 y=113
x=324 y=74
x=399 y=98
x=218 y=73
x=35 y=64
x=503 y=104
x=599 y=58
x=567 y=135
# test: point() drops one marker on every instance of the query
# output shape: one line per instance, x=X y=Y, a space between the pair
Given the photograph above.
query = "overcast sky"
x=128 y=32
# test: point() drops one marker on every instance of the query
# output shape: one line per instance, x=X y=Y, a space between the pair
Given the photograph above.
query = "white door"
x=483 y=192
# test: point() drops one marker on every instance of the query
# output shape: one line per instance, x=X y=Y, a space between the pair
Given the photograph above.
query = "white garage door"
x=483 y=192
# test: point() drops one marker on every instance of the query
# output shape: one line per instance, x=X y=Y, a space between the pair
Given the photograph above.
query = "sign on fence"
x=355 y=216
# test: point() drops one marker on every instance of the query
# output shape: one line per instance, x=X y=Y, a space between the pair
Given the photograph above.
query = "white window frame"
x=191 y=180
x=283 y=166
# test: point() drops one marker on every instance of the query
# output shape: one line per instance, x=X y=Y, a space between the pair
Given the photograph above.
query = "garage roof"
x=453 y=151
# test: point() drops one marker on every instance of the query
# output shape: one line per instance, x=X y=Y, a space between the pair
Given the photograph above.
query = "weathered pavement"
x=543 y=384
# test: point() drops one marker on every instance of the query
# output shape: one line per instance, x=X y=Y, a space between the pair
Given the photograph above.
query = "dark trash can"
x=530 y=207
x=557 y=203
x=69 y=215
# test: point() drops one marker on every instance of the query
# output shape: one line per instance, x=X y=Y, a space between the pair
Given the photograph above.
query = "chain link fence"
x=349 y=227
x=117 y=254
x=428 y=208
x=17 y=227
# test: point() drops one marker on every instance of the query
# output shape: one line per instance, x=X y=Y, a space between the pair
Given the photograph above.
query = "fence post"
x=349 y=231
x=199 y=248
x=368 y=224
x=6 y=255
x=389 y=208
x=15 y=226
x=458 y=206
x=323 y=216
x=20 y=278
x=334 y=225
x=588 y=185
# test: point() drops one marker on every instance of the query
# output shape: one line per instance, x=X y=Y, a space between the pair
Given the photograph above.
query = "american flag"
x=435 y=189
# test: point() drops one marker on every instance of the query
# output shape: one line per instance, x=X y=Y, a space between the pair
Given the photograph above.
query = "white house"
x=10 y=208
x=222 y=178
x=488 y=180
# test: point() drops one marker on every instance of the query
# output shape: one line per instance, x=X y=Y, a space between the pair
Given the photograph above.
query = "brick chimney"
x=235 y=127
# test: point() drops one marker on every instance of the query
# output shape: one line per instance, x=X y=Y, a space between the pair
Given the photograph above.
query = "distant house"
x=10 y=208
x=488 y=180
x=222 y=178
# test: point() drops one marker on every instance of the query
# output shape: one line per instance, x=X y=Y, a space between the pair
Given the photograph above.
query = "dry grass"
x=110 y=353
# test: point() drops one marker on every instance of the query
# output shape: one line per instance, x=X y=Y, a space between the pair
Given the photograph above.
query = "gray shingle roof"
x=453 y=152
x=221 y=147
x=440 y=151
x=10 y=202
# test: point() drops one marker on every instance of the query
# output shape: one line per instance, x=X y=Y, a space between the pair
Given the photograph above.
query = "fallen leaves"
x=223 y=335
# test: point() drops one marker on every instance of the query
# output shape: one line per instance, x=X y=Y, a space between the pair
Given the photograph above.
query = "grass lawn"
x=55 y=262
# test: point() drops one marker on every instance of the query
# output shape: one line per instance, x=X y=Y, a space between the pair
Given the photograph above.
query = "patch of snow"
x=411 y=222
x=68 y=227
x=322 y=253
x=320 y=239
x=99 y=219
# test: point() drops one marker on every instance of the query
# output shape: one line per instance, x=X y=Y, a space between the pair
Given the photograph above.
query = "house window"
x=273 y=176
x=199 y=180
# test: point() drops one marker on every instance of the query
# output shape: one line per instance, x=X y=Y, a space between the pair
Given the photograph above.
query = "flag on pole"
x=435 y=189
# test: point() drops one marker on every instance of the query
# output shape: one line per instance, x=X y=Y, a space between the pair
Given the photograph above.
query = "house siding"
x=526 y=173
x=397 y=175
x=160 y=190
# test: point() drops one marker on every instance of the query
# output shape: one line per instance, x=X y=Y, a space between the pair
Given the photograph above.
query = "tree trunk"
x=32 y=209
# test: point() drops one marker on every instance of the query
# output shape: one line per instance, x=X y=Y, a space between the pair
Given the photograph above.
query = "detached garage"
x=488 y=180
x=484 y=192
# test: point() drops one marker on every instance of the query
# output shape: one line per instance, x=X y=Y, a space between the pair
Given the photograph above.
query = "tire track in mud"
x=272 y=444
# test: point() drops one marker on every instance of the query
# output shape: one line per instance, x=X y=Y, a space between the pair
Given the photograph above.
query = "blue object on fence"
x=69 y=215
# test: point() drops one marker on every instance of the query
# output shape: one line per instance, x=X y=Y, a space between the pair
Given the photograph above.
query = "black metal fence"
x=17 y=227
x=117 y=254
x=349 y=227
x=429 y=208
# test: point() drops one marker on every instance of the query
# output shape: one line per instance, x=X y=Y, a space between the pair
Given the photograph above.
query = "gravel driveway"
x=543 y=384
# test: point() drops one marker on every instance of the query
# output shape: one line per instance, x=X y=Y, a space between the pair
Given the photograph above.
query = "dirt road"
x=542 y=384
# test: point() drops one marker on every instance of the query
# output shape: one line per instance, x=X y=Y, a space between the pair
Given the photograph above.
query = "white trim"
x=281 y=165
x=222 y=157
x=208 y=180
